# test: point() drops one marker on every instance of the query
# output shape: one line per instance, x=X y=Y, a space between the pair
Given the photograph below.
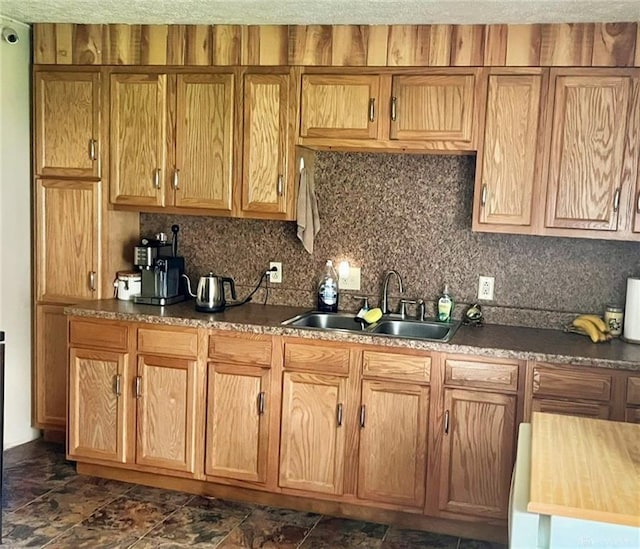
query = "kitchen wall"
x=15 y=234
x=411 y=213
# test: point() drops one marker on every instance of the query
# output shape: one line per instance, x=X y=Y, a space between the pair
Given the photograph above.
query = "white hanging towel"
x=307 y=208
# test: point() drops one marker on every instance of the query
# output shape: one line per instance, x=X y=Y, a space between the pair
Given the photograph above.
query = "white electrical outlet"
x=351 y=281
x=275 y=276
x=485 y=288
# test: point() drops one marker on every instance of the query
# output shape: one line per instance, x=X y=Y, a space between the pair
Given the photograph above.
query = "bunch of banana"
x=592 y=326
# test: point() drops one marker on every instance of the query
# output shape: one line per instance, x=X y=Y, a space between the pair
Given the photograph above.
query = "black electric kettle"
x=210 y=293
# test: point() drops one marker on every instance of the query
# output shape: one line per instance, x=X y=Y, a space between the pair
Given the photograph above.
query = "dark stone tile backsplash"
x=411 y=213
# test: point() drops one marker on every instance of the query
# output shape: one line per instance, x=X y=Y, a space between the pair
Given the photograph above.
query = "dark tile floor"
x=46 y=504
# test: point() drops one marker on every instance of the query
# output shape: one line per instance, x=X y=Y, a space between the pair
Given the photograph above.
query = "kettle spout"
x=188 y=285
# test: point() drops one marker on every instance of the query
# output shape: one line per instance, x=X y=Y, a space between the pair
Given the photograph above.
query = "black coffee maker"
x=161 y=268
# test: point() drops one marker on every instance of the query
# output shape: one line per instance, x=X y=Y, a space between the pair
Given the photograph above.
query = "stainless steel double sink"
x=389 y=325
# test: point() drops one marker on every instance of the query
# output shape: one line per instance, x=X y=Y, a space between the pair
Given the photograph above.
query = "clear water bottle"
x=328 y=289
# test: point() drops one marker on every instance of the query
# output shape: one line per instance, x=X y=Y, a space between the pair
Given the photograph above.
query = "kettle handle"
x=188 y=285
x=231 y=284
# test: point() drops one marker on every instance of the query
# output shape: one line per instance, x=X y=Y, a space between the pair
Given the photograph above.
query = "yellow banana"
x=588 y=327
x=600 y=324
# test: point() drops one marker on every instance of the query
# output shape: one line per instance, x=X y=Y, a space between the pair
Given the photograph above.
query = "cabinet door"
x=97 y=404
x=506 y=177
x=265 y=185
x=632 y=415
x=635 y=206
x=312 y=444
x=67 y=239
x=597 y=410
x=237 y=424
x=166 y=409
x=50 y=367
x=204 y=141
x=339 y=106
x=435 y=107
x=67 y=124
x=587 y=158
x=393 y=442
x=477 y=453
x=137 y=138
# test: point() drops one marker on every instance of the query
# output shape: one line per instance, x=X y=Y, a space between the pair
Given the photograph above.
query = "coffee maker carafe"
x=161 y=268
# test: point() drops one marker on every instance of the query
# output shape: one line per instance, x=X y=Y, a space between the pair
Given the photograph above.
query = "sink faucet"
x=385 y=290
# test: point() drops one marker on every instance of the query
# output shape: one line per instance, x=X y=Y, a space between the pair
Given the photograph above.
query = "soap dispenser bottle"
x=328 y=289
x=445 y=305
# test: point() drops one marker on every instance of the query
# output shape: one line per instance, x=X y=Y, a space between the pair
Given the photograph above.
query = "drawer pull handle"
x=92 y=280
x=394 y=108
x=280 y=185
x=261 y=403
x=363 y=413
x=339 y=414
x=446 y=422
x=118 y=385
x=92 y=149
x=372 y=109
x=483 y=199
x=156 y=178
x=138 y=387
x=176 y=182
x=638 y=203
x=616 y=200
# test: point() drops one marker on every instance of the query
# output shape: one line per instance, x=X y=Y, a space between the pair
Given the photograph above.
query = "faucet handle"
x=403 y=305
x=365 y=305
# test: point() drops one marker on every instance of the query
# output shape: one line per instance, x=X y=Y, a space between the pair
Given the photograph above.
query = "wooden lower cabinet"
x=393 y=442
x=237 y=423
x=97 y=406
x=477 y=452
x=167 y=403
x=50 y=367
x=312 y=445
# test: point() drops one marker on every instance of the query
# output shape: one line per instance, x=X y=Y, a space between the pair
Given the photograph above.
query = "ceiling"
x=319 y=11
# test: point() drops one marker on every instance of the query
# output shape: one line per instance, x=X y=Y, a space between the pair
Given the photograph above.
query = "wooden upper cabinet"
x=477 y=453
x=67 y=246
x=97 y=404
x=508 y=171
x=237 y=422
x=67 y=125
x=312 y=444
x=588 y=169
x=433 y=107
x=340 y=106
x=203 y=173
x=138 y=138
x=266 y=143
x=167 y=404
x=393 y=442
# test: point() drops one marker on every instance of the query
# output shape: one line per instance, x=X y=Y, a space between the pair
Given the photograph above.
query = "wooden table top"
x=585 y=468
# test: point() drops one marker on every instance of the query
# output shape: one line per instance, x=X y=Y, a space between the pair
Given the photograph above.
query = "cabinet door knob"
x=118 y=385
x=92 y=280
x=483 y=199
x=394 y=108
x=92 y=149
x=339 y=414
x=176 y=179
x=156 y=178
x=616 y=200
x=261 y=403
x=280 y=185
x=446 y=422
x=372 y=109
x=363 y=413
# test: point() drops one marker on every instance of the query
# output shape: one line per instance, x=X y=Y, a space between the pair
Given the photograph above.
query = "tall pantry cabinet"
x=79 y=243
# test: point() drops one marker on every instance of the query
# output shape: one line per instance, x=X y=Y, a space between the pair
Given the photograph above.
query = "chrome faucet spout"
x=385 y=289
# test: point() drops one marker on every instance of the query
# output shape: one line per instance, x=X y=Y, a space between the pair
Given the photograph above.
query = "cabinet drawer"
x=594 y=410
x=492 y=375
x=396 y=366
x=168 y=342
x=245 y=348
x=633 y=390
x=102 y=335
x=316 y=358
x=574 y=383
x=632 y=415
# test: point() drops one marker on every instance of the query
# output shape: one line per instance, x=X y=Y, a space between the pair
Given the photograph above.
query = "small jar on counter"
x=613 y=316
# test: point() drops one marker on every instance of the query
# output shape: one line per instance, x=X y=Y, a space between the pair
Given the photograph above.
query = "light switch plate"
x=352 y=281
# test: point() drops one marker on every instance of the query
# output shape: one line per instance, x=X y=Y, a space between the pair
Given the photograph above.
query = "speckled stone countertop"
x=490 y=340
